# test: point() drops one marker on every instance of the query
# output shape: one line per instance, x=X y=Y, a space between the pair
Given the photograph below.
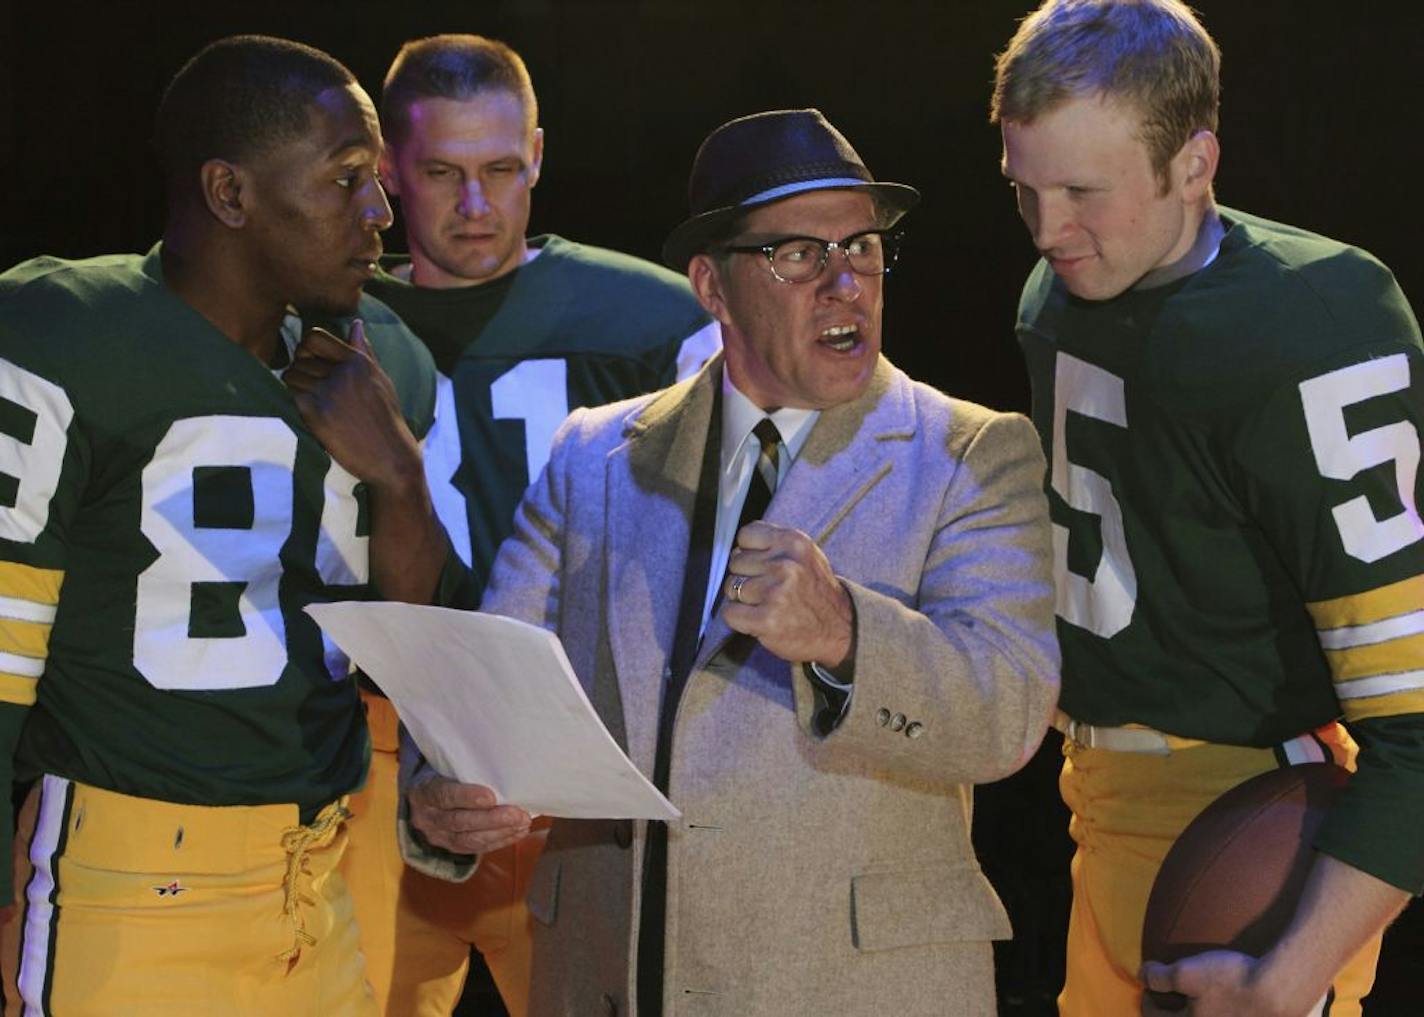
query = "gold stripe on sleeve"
x=18 y=689
x=25 y=582
x=1389 y=657
x=28 y=639
x=1371 y=606
x=1384 y=706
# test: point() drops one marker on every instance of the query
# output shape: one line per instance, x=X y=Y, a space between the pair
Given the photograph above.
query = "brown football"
x=1234 y=875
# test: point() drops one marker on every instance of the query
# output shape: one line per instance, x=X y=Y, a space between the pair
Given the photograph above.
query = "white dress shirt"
x=740 y=449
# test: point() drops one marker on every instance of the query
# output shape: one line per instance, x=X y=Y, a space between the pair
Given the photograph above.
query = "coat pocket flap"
x=934 y=904
x=542 y=898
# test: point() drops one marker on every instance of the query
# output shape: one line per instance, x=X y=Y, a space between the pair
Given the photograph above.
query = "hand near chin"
x=350 y=405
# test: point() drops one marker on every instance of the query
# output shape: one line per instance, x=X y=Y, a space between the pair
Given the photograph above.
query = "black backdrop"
x=1319 y=121
x=1319 y=128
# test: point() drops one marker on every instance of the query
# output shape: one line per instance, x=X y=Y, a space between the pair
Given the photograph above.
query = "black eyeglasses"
x=801 y=259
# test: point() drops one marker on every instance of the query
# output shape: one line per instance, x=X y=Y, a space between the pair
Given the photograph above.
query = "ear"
x=707 y=284
x=536 y=158
x=224 y=189
x=1197 y=163
x=386 y=166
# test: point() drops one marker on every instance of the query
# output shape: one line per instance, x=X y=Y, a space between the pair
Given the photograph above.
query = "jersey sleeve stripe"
x=17 y=689
x=1386 y=602
x=24 y=638
x=19 y=664
x=1384 y=706
x=15 y=609
x=28 y=596
x=1380 y=685
x=1362 y=662
x=40 y=587
x=1411 y=624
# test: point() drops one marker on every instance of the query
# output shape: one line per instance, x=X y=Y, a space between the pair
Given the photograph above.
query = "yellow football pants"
x=416 y=931
x=1128 y=809
x=138 y=906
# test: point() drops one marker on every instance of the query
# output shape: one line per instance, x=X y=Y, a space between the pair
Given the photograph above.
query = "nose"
x=377 y=210
x=472 y=203
x=1050 y=222
x=840 y=281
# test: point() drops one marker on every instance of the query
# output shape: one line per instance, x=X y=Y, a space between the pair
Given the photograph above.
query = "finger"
x=736 y=588
x=305 y=375
x=501 y=818
x=757 y=536
x=744 y=562
x=1158 y=976
x=356 y=337
x=475 y=842
x=484 y=843
x=748 y=619
x=443 y=793
x=320 y=343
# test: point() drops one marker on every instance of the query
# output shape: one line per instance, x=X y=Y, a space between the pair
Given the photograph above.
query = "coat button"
x=914 y=729
x=610 y=1005
x=623 y=833
x=882 y=717
x=897 y=722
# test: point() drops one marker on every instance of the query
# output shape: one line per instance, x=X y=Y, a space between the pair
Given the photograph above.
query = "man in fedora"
x=811 y=599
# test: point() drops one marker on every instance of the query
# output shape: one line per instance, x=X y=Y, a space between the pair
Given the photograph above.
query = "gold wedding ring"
x=736 y=592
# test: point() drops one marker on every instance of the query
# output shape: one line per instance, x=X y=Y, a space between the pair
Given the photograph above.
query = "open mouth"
x=841 y=338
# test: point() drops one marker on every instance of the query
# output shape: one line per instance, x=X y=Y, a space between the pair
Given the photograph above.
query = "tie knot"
x=767 y=434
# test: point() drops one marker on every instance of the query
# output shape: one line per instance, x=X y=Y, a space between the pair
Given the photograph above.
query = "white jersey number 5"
x=1104 y=603
x=1340 y=455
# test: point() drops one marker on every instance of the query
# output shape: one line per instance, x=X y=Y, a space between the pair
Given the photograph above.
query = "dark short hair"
x=1153 y=54
x=452 y=67
x=238 y=97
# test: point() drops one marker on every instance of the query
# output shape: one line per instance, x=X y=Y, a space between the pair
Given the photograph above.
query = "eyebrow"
x=341 y=148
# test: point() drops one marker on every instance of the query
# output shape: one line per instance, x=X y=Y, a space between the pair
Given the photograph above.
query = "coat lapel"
x=651 y=485
x=851 y=448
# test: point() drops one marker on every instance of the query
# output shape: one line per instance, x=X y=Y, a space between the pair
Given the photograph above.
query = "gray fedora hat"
x=755 y=160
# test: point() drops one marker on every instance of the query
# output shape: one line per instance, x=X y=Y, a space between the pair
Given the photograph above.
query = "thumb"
x=1159 y=977
x=1162 y=995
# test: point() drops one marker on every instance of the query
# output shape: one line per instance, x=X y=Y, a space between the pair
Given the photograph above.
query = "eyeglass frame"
x=889 y=238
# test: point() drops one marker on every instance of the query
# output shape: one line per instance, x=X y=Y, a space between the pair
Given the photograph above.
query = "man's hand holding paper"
x=464 y=818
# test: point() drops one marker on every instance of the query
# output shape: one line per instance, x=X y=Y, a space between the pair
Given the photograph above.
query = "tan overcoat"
x=811 y=875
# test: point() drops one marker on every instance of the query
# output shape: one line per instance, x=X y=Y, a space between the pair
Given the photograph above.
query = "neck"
x=1204 y=246
x=215 y=283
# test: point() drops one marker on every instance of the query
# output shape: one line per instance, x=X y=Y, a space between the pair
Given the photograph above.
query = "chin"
x=1100 y=291
x=339 y=305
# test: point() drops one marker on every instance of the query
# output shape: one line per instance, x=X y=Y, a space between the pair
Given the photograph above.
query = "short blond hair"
x=1154 y=54
x=453 y=67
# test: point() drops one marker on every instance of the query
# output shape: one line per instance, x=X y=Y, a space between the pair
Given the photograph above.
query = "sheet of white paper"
x=493 y=701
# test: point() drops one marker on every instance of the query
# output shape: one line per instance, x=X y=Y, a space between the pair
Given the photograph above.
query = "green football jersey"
x=1234 y=493
x=164 y=517
x=576 y=326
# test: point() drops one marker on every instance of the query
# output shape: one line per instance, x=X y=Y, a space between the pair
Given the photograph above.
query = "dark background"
x=1320 y=117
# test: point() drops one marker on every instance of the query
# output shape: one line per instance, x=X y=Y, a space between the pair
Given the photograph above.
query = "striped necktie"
x=764 y=476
